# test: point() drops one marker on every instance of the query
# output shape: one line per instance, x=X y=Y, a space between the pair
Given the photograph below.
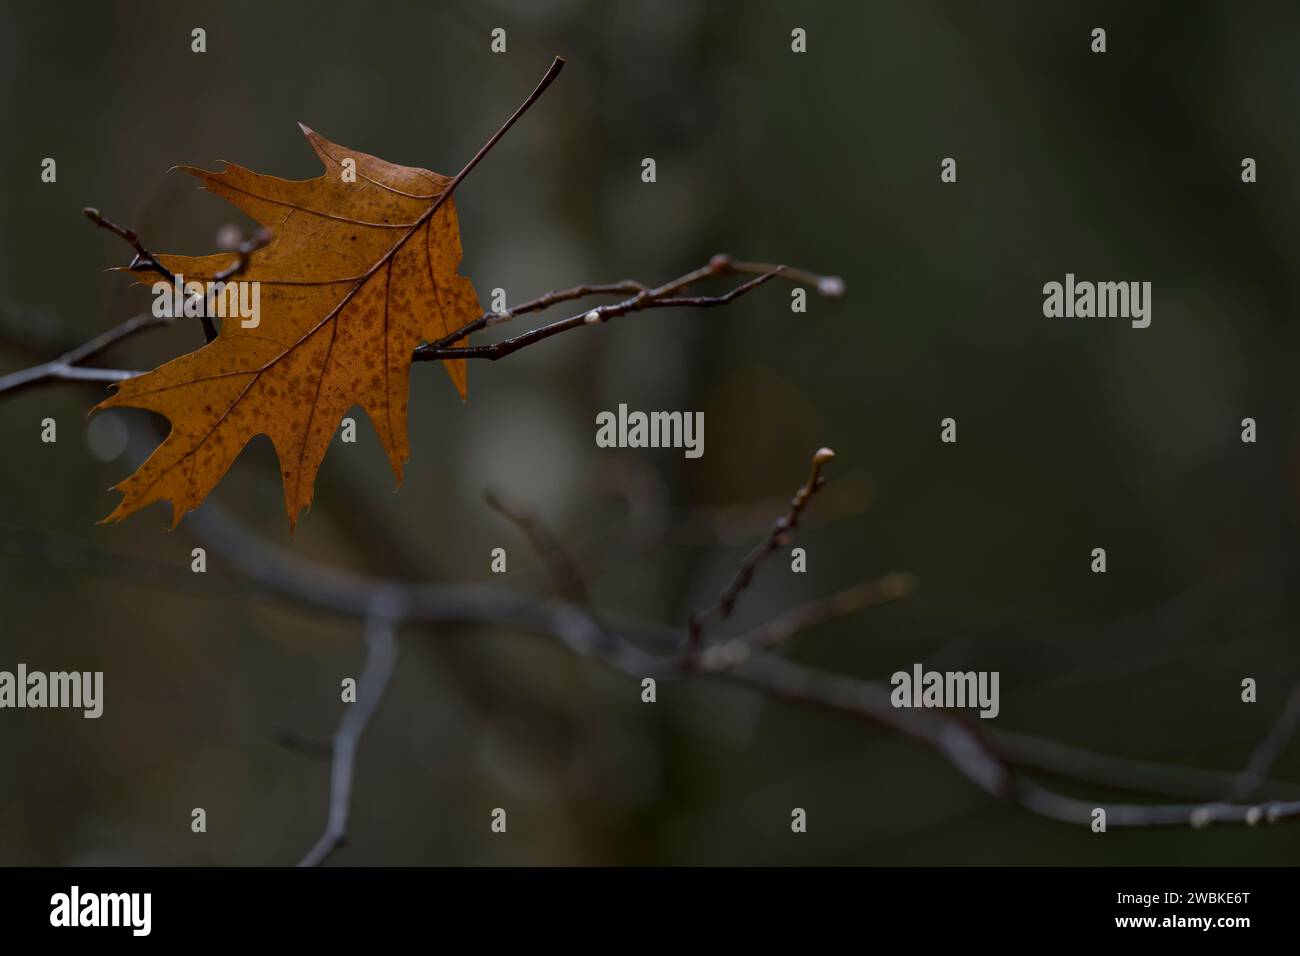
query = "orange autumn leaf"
x=357 y=275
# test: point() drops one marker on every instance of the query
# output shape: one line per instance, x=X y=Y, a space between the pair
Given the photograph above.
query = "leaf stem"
x=533 y=97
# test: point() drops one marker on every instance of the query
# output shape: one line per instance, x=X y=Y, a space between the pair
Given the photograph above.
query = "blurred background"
x=1073 y=434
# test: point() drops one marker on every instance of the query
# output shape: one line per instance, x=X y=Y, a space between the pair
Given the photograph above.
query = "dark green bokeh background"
x=1073 y=434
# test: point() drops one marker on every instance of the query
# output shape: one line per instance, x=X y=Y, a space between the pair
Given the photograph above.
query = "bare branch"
x=1269 y=749
x=564 y=573
x=975 y=758
x=65 y=367
x=832 y=287
x=1122 y=773
x=381 y=656
x=993 y=761
x=989 y=761
x=544 y=301
x=777 y=537
x=892 y=587
x=144 y=261
x=547 y=79
x=59 y=371
x=646 y=299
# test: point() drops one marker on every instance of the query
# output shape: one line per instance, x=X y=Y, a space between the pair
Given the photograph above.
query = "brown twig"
x=892 y=587
x=145 y=261
x=645 y=299
x=547 y=79
x=777 y=537
x=564 y=573
x=554 y=297
x=832 y=287
x=65 y=367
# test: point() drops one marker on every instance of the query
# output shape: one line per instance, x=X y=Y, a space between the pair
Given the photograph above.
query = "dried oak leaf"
x=357 y=275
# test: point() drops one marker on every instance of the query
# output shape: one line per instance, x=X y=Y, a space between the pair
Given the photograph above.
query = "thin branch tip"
x=779 y=536
x=832 y=287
